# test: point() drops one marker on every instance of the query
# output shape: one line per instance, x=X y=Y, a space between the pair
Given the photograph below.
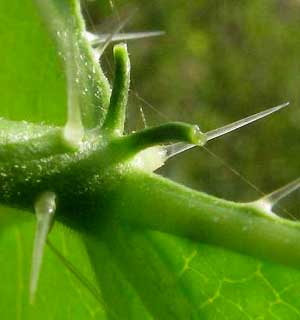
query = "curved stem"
x=165 y=133
x=115 y=117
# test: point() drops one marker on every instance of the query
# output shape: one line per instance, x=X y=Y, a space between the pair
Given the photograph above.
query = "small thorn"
x=73 y=133
x=180 y=147
x=45 y=208
x=73 y=130
x=269 y=201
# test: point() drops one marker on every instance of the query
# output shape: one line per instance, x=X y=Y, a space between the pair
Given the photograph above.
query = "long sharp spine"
x=100 y=46
x=178 y=148
x=99 y=39
x=243 y=122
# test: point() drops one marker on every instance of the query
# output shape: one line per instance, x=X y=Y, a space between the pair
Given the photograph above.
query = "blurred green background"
x=218 y=62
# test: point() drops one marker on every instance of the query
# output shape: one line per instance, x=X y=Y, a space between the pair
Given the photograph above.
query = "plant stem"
x=151 y=201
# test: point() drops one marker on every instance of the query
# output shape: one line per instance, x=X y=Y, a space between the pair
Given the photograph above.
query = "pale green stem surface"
x=156 y=203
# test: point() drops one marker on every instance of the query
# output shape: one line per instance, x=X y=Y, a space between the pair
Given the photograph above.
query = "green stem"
x=151 y=201
x=49 y=144
x=115 y=117
x=166 y=133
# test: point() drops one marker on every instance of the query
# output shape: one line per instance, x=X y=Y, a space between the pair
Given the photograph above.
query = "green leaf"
x=60 y=294
x=123 y=272
x=180 y=279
